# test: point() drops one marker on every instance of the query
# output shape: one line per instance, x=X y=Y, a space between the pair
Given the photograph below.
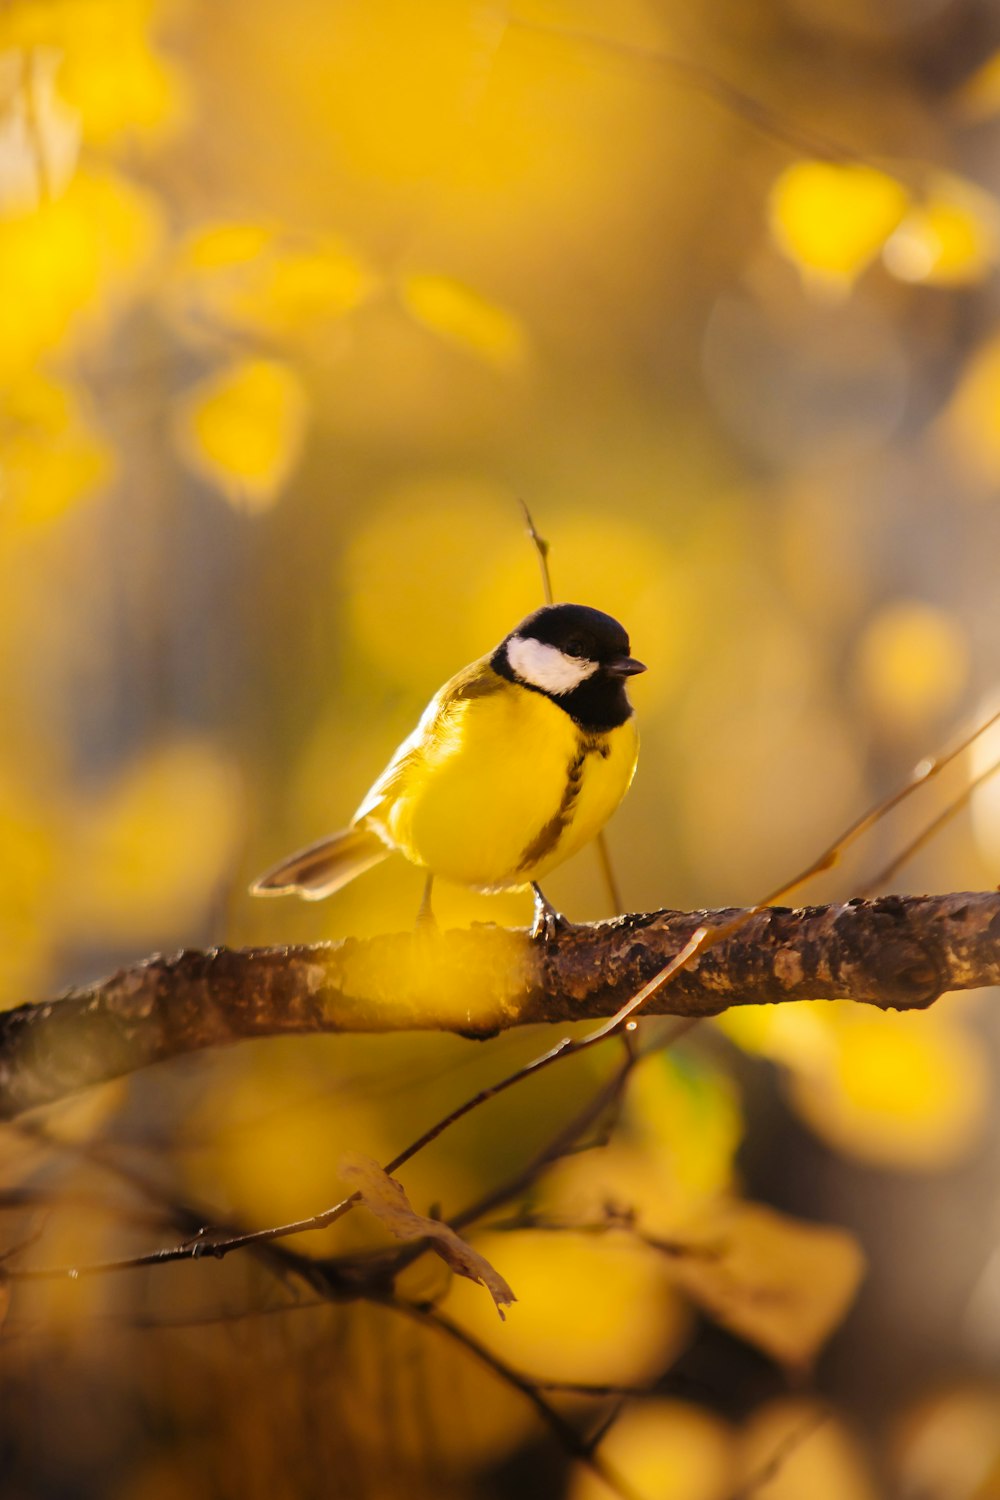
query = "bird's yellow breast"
x=498 y=784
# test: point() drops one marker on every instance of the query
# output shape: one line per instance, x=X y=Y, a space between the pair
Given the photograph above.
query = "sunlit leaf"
x=247 y=276
x=689 y=1116
x=242 y=428
x=49 y=457
x=905 y=1090
x=777 y=1282
x=950 y=237
x=791 y=1449
x=76 y=263
x=832 y=219
x=665 y=1450
x=908 y=1091
x=590 y=1308
x=464 y=317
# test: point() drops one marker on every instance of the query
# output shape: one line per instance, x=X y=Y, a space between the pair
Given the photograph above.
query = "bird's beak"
x=624 y=666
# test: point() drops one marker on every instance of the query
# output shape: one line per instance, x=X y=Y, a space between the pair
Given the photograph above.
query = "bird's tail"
x=323 y=868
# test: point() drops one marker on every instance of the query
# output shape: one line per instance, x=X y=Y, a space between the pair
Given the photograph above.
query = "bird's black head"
x=577 y=656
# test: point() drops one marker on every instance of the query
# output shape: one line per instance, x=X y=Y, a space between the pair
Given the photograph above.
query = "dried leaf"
x=778 y=1283
x=383 y=1196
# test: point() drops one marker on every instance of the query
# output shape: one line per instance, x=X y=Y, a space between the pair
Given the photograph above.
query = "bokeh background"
x=296 y=305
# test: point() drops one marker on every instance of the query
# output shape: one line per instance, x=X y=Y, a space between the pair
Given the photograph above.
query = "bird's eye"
x=575 y=646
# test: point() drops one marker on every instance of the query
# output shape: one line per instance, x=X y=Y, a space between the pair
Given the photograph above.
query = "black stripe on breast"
x=545 y=841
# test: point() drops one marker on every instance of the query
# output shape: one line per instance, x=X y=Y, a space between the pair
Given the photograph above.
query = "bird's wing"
x=433 y=736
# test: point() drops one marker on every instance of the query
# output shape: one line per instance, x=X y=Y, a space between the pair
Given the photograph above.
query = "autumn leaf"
x=242 y=428
x=384 y=1197
x=781 y=1284
x=464 y=317
x=832 y=219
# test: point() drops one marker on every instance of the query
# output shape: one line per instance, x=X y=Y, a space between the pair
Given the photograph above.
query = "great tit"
x=516 y=763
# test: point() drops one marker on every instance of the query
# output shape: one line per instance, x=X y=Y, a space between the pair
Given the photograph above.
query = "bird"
x=517 y=762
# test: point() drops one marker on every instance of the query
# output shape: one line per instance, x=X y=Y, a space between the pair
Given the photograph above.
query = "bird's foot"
x=425 y=916
x=548 y=922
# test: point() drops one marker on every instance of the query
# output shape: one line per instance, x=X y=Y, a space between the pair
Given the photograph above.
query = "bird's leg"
x=547 y=921
x=425 y=916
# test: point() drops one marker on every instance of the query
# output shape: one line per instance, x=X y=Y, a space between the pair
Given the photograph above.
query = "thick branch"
x=894 y=952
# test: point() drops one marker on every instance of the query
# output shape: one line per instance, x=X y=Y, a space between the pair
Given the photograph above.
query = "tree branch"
x=896 y=952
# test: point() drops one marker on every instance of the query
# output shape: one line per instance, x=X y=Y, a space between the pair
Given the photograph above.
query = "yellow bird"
x=516 y=763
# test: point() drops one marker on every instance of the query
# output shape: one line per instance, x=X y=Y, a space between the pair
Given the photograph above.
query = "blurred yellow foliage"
x=247 y=277
x=28 y=864
x=665 y=1450
x=688 y=1117
x=590 y=1308
x=39 y=131
x=75 y=263
x=242 y=428
x=49 y=456
x=947 y=1446
x=805 y=1450
x=949 y=237
x=464 y=317
x=668 y=1450
x=908 y=1091
x=902 y=1090
x=110 y=71
x=832 y=219
x=912 y=665
x=781 y=1284
x=150 y=853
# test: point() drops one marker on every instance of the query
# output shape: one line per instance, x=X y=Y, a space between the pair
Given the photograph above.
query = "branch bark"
x=895 y=952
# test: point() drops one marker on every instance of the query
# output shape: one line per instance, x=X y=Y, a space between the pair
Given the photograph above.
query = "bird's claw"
x=548 y=922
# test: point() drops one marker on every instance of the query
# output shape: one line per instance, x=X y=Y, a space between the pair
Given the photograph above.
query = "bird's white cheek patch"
x=547 y=667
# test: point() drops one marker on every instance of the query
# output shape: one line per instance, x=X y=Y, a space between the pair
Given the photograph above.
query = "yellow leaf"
x=244 y=276
x=242 y=429
x=664 y=1450
x=906 y=1091
x=457 y=313
x=912 y=665
x=951 y=238
x=689 y=1116
x=832 y=219
x=805 y=1451
x=590 y=1308
x=148 y=855
x=781 y=1284
x=949 y=1443
x=49 y=458
x=75 y=263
